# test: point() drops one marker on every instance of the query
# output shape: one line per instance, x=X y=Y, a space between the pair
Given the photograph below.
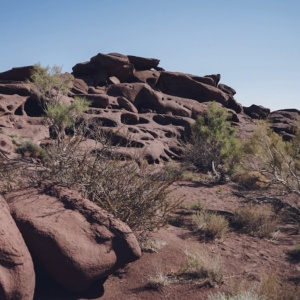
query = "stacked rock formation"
x=148 y=111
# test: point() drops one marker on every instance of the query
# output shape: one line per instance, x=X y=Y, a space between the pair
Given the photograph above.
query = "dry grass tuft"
x=257 y=220
x=210 y=225
x=157 y=282
x=201 y=267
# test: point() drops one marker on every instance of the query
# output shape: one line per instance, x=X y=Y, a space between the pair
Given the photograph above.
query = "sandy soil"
x=246 y=260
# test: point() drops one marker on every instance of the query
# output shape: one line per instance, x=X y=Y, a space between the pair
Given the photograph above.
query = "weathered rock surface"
x=283 y=122
x=17 y=277
x=72 y=239
x=17 y=74
x=257 y=112
x=131 y=95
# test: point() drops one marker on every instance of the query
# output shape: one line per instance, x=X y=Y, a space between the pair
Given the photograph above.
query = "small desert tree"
x=50 y=81
x=275 y=158
x=63 y=116
x=214 y=146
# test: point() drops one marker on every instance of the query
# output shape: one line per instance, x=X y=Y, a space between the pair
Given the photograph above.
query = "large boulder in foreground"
x=73 y=240
x=17 y=278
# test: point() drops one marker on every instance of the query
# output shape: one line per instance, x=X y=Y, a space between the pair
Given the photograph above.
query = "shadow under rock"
x=48 y=289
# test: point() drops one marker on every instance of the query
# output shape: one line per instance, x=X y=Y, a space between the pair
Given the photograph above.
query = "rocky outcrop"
x=17 y=277
x=17 y=74
x=257 y=112
x=74 y=241
x=130 y=95
x=283 y=122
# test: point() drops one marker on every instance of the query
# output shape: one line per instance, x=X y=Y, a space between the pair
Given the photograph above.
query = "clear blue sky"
x=254 y=45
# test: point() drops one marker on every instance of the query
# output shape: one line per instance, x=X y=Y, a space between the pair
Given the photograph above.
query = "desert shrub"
x=276 y=159
x=62 y=117
x=214 y=146
x=82 y=156
x=272 y=287
x=138 y=196
x=50 y=82
x=29 y=149
x=157 y=282
x=256 y=220
x=209 y=225
x=201 y=267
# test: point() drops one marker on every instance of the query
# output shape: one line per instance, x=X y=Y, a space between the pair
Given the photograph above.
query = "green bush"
x=276 y=159
x=28 y=149
x=50 y=82
x=214 y=147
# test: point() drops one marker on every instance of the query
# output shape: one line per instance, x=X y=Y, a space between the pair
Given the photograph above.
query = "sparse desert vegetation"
x=204 y=201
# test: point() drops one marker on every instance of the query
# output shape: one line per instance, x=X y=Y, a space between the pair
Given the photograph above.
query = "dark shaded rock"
x=257 y=111
x=22 y=89
x=17 y=74
x=284 y=122
x=181 y=85
x=206 y=80
x=147 y=76
x=124 y=103
x=72 y=239
x=234 y=105
x=215 y=77
x=17 y=277
x=114 y=64
x=84 y=69
x=142 y=63
x=226 y=89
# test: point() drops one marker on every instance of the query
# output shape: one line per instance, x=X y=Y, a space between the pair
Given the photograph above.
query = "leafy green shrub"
x=210 y=225
x=28 y=149
x=214 y=146
x=50 y=81
x=256 y=220
x=63 y=116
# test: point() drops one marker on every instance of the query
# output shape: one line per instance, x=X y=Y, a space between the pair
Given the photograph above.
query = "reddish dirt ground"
x=246 y=260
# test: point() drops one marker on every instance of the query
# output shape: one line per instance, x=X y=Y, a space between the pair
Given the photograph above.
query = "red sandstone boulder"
x=257 y=111
x=283 y=122
x=142 y=63
x=226 y=89
x=72 y=239
x=17 y=74
x=181 y=85
x=17 y=277
x=114 y=64
x=147 y=76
